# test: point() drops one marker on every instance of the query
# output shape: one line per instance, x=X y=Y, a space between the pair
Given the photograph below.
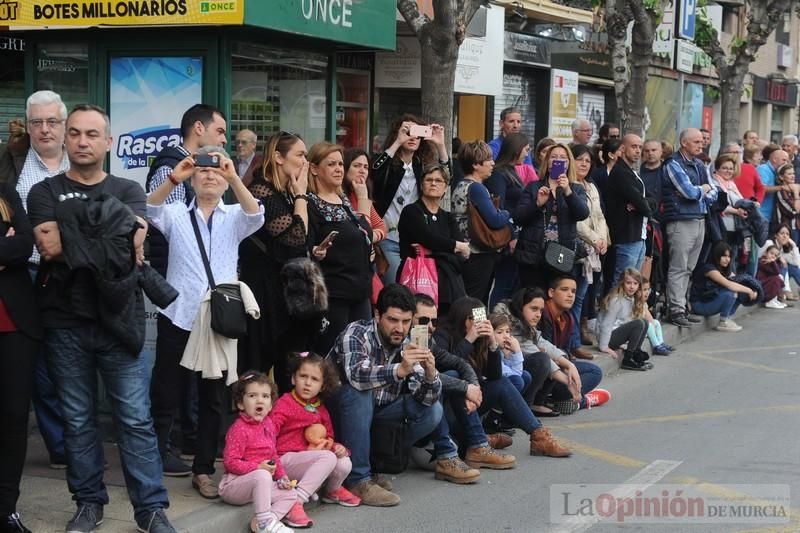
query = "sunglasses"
x=424 y=321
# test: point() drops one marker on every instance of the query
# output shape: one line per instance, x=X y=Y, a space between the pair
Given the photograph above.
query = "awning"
x=547 y=11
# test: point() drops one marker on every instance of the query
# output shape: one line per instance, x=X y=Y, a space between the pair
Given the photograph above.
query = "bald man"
x=247 y=161
x=768 y=172
x=685 y=198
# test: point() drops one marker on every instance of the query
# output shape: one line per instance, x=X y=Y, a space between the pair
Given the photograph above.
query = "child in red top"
x=312 y=377
x=251 y=458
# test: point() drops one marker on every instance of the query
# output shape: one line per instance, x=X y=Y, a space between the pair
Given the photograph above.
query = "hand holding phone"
x=206 y=160
x=328 y=240
x=479 y=314
x=557 y=168
x=422 y=131
x=419 y=336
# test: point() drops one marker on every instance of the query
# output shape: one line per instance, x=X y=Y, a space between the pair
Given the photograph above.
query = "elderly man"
x=581 y=131
x=247 y=160
x=80 y=345
x=686 y=196
x=768 y=173
x=790 y=146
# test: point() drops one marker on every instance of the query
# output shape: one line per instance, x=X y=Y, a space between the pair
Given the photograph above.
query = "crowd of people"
x=343 y=308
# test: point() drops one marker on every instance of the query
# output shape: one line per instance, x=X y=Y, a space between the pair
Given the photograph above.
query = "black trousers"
x=340 y=313
x=478 y=275
x=538 y=365
x=18 y=354
x=633 y=332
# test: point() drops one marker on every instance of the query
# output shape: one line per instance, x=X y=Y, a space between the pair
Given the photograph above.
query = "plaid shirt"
x=178 y=194
x=369 y=365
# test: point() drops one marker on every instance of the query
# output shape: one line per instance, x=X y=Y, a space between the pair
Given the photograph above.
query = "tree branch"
x=410 y=11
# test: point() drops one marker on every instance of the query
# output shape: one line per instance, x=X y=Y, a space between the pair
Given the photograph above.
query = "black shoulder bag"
x=389 y=447
x=228 y=317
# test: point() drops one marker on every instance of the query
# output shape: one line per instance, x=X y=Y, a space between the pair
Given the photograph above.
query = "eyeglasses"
x=37 y=123
x=424 y=321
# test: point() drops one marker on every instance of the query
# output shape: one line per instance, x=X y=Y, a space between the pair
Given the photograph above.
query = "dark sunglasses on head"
x=424 y=320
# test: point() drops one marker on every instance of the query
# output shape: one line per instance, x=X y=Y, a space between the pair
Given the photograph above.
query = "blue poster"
x=148 y=96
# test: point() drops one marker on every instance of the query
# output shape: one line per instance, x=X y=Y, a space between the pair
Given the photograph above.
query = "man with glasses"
x=247 y=160
x=25 y=166
x=581 y=131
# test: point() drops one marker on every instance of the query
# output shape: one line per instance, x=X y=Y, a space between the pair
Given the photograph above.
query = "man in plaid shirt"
x=388 y=379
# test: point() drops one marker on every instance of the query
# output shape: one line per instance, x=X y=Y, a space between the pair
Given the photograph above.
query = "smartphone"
x=419 y=336
x=327 y=241
x=558 y=167
x=420 y=131
x=206 y=160
x=479 y=314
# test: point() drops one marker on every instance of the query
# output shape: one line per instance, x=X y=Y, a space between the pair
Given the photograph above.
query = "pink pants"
x=269 y=501
x=312 y=468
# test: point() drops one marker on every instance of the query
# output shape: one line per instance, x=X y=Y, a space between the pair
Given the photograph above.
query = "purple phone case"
x=559 y=167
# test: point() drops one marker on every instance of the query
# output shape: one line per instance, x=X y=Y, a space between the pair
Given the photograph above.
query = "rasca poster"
x=148 y=97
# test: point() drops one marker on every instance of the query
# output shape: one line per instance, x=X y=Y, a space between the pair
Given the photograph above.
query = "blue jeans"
x=725 y=303
x=467 y=426
x=591 y=376
x=355 y=411
x=521 y=382
x=629 y=255
x=506 y=280
x=75 y=357
x=501 y=394
x=391 y=249
x=793 y=271
x=577 y=307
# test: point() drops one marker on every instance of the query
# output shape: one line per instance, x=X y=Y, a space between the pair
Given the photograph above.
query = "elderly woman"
x=425 y=223
x=549 y=211
x=475 y=159
x=341 y=241
x=222 y=227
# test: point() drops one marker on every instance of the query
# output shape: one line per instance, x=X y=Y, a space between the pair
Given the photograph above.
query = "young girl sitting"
x=313 y=379
x=713 y=291
x=512 y=353
x=769 y=274
x=253 y=470
x=617 y=323
x=654 y=331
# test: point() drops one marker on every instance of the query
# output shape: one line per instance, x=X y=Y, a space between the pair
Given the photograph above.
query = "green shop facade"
x=303 y=66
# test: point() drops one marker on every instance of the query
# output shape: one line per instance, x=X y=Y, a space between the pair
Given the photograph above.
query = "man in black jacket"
x=627 y=208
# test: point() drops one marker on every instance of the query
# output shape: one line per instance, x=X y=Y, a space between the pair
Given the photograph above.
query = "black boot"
x=629 y=362
x=642 y=357
x=12 y=524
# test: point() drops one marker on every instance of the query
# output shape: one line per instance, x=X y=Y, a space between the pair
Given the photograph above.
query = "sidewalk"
x=46 y=506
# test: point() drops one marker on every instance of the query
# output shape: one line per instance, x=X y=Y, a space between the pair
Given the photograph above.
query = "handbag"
x=304 y=289
x=389 y=447
x=419 y=274
x=228 y=317
x=481 y=235
x=559 y=257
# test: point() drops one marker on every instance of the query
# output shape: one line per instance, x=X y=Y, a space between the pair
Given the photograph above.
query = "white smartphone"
x=479 y=314
x=419 y=336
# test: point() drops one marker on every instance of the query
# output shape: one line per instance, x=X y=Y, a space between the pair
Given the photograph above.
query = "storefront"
x=774 y=104
x=301 y=66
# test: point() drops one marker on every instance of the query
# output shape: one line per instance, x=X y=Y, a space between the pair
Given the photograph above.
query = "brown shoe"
x=587 y=337
x=486 y=457
x=455 y=470
x=383 y=481
x=205 y=486
x=372 y=494
x=499 y=441
x=581 y=353
x=543 y=443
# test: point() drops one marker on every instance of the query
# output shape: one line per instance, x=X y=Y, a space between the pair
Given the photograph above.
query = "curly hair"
x=330 y=374
x=252 y=376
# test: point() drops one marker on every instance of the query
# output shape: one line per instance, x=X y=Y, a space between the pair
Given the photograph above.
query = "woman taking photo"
x=548 y=211
x=341 y=241
x=395 y=178
x=595 y=239
x=475 y=159
x=281 y=187
x=425 y=223
x=473 y=340
x=20 y=335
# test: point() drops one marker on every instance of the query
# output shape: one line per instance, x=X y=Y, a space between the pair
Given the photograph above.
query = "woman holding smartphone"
x=549 y=211
x=341 y=240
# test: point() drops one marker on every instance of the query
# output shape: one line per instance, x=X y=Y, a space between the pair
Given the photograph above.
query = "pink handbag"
x=419 y=274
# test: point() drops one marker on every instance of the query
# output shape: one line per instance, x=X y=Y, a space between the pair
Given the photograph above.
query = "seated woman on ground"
x=790 y=259
x=618 y=325
x=713 y=291
x=769 y=275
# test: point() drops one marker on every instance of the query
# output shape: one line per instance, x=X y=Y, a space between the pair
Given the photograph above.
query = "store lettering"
x=130 y=8
x=8 y=10
x=134 y=147
x=10 y=43
x=338 y=12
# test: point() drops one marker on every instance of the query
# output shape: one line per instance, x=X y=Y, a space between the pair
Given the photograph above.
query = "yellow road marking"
x=743 y=364
x=675 y=418
x=753 y=349
x=608 y=457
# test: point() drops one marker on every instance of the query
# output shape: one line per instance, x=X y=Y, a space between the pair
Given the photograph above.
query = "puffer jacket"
x=571 y=210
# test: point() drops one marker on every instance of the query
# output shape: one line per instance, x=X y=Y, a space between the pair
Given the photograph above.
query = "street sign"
x=686 y=19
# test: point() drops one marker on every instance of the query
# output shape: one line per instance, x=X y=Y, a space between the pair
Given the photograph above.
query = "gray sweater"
x=620 y=311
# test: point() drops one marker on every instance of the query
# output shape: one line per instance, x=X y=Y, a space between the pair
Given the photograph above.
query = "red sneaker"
x=297 y=517
x=343 y=497
x=596 y=398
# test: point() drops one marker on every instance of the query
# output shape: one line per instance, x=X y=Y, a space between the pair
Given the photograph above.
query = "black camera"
x=206 y=160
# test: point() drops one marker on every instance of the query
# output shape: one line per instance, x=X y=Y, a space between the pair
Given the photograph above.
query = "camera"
x=206 y=160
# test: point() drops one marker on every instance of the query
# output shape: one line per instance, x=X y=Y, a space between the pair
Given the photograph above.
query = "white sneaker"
x=728 y=326
x=275 y=526
x=774 y=304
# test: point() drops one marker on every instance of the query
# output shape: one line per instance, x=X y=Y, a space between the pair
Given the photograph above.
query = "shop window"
x=352 y=108
x=12 y=81
x=777 y=127
x=275 y=89
x=64 y=69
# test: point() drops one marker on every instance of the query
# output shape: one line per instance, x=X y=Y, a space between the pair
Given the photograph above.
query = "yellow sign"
x=47 y=13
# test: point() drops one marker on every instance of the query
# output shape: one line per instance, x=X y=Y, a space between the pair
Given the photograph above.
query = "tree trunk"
x=617 y=18
x=439 y=58
x=730 y=88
